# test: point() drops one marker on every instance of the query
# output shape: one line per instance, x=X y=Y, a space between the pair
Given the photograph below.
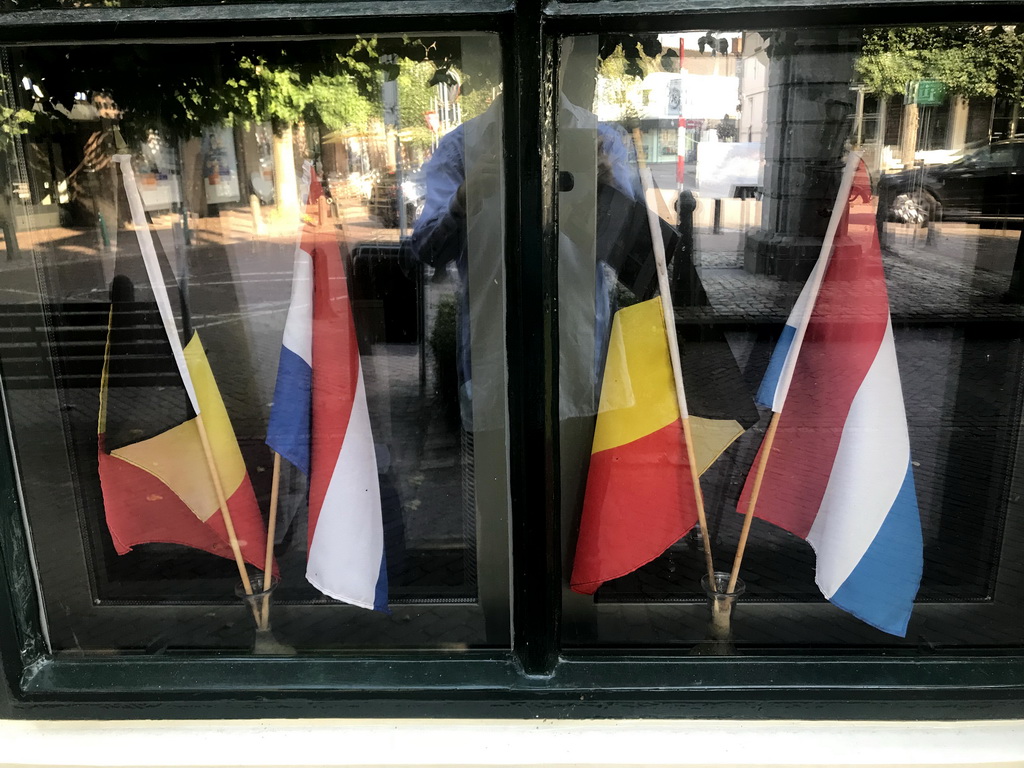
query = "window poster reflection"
x=212 y=277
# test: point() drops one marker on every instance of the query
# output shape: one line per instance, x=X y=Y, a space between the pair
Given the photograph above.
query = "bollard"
x=683 y=290
x=258 y=227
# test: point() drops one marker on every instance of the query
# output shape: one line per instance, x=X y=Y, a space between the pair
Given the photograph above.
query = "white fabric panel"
x=155 y=275
x=347 y=547
x=298 y=327
x=868 y=472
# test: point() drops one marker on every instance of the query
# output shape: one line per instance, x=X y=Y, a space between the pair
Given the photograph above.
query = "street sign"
x=929 y=93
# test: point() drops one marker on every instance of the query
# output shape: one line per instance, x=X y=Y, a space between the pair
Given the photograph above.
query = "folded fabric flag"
x=321 y=423
x=639 y=498
x=839 y=472
x=162 y=489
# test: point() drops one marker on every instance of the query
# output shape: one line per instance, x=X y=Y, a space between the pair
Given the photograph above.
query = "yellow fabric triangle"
x=638 y=391
x=176 y=456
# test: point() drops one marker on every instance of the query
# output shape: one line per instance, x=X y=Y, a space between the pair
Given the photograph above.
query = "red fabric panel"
x=248 y=523
x=842 y=340
x=142 y=510
x=335 y=359
x=639 y=501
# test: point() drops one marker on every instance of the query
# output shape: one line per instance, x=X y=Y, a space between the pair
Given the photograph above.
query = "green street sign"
x=930 y=93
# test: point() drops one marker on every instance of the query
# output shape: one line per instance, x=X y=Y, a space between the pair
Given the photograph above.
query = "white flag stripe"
x=156 y=278
x=298 y=326
x=874 y=445
x=809 y=295
x=348 y=544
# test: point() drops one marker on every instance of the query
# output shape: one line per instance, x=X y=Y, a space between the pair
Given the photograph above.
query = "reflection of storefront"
x=220 y=166
x=896 y=131
x=661 y=138
x=159 y=174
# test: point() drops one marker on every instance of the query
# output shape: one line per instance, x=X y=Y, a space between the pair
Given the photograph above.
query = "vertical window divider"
x=532 y=347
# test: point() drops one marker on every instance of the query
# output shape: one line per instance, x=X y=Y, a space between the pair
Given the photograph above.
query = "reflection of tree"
x=617 y=86
x=182 y=89
x=14 y=122
x=727 y=129
x=619 y=71
x=970 y=60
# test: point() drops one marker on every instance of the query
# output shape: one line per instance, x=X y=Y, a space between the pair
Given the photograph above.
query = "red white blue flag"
x=839 y=474
x=320 y=422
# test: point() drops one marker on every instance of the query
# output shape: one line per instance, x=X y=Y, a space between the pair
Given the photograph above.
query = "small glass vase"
x=718 y=641
x=258 y=607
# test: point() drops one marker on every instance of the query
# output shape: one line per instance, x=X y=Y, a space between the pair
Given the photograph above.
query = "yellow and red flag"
x=639 y=497
x=160 y=489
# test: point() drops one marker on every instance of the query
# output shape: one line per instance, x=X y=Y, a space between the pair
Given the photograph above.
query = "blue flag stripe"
x=380 y=597
x=770 y=382
x=881 y=589
x=289 y=429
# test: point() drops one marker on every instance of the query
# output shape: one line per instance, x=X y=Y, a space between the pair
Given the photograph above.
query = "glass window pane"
x=327 y=218
x=927 y=232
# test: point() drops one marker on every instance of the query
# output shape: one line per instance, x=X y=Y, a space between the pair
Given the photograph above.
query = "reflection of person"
x=440 y=234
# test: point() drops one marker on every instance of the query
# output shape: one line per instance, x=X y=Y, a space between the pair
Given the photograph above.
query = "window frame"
x=536 y=677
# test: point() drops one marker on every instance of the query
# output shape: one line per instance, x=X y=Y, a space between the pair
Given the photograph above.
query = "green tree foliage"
x=617 y=74
x=182 y=89
x=13 y=122
x=338 y=94
x=968 y=60
x=414 y=99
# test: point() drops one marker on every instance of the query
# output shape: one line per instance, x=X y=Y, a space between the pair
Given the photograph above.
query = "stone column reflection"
x=810 y=104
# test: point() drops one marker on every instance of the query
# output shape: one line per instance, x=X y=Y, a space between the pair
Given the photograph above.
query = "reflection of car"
x=384 y=198
x=985 y=184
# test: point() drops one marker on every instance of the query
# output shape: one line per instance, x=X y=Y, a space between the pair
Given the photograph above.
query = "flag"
x=161 y=489
x=839 y=474
x=320 y=422
x=639 y=497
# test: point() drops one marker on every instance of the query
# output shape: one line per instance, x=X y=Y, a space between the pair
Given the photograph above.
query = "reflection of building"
x=926 y=124
x=753 y=73
x=704 y=94
x=801 y=101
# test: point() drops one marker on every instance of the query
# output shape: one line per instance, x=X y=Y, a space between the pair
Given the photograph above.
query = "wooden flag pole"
x=766 y=448
x=786 y=376
x=658 y=246
x=223 y=502
x=156 y=281
x=268 y=567
x=263 y=620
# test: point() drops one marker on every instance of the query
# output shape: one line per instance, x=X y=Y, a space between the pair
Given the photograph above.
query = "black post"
x=682 y=289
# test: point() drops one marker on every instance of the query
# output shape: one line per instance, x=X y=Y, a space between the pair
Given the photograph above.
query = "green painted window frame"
x=536 y=678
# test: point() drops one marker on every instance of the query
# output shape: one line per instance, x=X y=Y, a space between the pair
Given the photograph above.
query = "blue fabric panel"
x=770 y=382
x=289 y=430
x=881 y=589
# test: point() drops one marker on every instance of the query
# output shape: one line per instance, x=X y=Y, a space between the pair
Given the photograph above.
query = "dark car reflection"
x=985 y=184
